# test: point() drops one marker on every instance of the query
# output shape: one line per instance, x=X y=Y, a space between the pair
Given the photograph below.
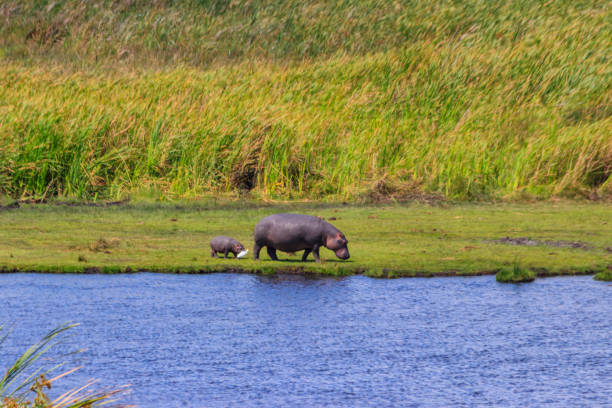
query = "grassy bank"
x=337 y=101
x=384 y=241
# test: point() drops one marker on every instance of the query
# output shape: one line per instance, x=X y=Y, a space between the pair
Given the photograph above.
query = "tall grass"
x=470 y=100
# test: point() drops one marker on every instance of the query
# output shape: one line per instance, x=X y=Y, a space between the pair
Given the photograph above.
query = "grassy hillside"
x=321 y=99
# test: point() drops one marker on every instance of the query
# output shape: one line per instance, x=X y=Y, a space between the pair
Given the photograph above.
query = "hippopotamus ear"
x=327 y=239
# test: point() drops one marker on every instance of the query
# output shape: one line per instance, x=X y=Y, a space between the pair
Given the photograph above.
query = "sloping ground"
x=357 y=100
x=384 y=241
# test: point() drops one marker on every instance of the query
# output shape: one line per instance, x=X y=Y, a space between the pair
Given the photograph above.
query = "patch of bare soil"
x=387 y=190
x=17 y=204
x=92 y=204
x=526 y=241
x=104 y=245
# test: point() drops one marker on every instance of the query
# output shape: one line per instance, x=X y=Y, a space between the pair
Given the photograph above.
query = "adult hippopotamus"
x=296 y=232
x=226 y=245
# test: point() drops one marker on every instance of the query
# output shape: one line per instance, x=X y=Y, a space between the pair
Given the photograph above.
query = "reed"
x=359 y=100
x=27 y=374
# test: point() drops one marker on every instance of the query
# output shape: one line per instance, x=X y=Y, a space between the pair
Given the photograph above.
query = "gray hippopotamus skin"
x=225 y=245
x=296 y=232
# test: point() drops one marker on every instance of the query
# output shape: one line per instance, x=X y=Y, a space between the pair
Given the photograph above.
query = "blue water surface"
x=242 y=340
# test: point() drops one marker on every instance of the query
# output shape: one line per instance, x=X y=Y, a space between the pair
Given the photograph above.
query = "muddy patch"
x=19 y=203
x=92 y=204
x=9 y=206
x=526 y=241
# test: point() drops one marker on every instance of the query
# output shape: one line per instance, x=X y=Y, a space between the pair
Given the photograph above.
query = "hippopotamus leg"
x=315 y=253
x=213 y=253
x=272 y=253
x=256 y=249
x=306 y=252
x=226 y=252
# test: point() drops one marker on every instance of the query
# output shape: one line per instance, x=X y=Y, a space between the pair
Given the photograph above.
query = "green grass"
x=352 y=100
x=384 y=241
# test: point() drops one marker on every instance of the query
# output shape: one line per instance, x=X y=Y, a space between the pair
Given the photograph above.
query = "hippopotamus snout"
x=342 y=253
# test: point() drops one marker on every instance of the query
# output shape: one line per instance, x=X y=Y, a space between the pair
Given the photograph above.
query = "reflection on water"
x=227 y=340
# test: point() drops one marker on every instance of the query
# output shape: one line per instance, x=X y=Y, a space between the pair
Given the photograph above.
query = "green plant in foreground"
x=515 y=275
x=23 y=376
x=604 y=276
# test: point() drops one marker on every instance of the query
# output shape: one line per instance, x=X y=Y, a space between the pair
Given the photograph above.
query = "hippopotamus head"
x=238 y=247
x=336 y=241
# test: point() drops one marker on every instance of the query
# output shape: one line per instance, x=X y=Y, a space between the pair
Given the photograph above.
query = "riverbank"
x=384 y=241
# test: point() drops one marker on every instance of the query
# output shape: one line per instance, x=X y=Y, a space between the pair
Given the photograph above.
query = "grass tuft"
x=604 y=276
x=515 y=275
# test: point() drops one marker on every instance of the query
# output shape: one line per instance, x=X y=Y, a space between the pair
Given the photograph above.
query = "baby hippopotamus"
x=226 y=245
x=294 y=232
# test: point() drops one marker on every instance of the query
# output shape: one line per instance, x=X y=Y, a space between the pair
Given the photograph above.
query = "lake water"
x=244 y=340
